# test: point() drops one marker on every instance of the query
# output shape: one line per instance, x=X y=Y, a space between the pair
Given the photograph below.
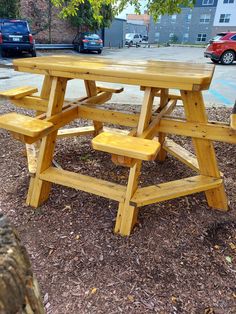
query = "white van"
x=133 y=39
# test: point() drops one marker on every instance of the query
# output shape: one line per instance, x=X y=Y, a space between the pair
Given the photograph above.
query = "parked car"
x=145 y=38
x=88 y=42
x=133 y=39
x=15 y=36
x=222 y=48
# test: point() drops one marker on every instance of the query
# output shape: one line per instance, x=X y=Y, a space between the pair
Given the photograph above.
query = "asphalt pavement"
x=222 y=90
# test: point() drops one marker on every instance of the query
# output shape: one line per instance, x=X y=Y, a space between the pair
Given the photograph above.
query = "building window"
x=228 y=1
x=157 y=37
x=159 y=19
x=207 y=2
x=173 y=18
x=185 y=37
x=188 y=17
x=201 y=37
x=224 y=18
x=205 y=18
x=171 y=35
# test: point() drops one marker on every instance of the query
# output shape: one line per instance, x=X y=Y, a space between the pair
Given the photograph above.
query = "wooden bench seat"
x=24 y=125
x=19 y=92
x=125 y=145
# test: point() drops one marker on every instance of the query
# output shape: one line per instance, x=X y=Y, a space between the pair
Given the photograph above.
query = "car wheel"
x=215 y=61
x=33 y=53
x=80 y=49
x=227 y=57
x=99 y=51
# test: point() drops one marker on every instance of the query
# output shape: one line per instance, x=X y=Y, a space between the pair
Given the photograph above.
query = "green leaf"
x=154 y=7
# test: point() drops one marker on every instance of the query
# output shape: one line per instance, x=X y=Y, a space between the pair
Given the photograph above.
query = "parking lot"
x=222 y=91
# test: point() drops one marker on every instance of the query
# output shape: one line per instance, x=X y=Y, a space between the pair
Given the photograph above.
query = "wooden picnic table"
x=147 y=139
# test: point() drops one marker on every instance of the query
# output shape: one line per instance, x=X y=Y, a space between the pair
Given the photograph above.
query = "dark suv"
x=15 y=36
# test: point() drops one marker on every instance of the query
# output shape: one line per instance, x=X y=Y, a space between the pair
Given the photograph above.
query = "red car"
x=222 y=48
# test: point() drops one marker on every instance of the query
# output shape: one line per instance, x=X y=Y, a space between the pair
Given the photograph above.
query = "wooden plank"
x=127 y=214
x=114 y=117
x=31 y=102
x=146 y=111
x=32 y=156
x=91 y=91
x=115 y=90
x=170 y=96
x=124 y=145
x=24 y=125
x=84 y=183
x=116 y=131
x=46 y=88
x=19 y=92
x=181 y=154
x=147 y=81
x=161 y=136
x=98 y=99
x=233 y=118
x=214 y=131
x=178 y=188
x=149 y=73
x=233 y=121
x=150 y=131
x=41 y=189
x=204 y=149
x=85 y=130
x=59 y=120
x=69 y=113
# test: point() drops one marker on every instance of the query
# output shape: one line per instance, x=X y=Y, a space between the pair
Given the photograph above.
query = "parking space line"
x=220 y=97
x=226 y=83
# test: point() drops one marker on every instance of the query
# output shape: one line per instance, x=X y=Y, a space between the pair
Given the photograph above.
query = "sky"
x=130 y=10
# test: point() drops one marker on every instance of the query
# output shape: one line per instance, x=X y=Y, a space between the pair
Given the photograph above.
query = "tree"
x=85 y=20
x=154 y=7
x=40 y=20
x=9 y=9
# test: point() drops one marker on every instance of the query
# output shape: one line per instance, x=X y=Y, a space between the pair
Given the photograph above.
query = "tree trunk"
x=19 y=292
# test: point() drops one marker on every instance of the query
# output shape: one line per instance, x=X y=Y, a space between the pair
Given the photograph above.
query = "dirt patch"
x=181 y=258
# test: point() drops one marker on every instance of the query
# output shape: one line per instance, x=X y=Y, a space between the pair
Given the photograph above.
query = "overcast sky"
x=130 y=10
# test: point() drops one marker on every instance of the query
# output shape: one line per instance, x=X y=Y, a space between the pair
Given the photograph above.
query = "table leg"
x=127 y=214
x=39 y=189
x=91 y=90
x=45 y=93
x=195 y=112
x=163 y=101
x=32 y=149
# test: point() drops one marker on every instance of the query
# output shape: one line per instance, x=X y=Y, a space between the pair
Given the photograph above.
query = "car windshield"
x=91 y=36
x=15 y=27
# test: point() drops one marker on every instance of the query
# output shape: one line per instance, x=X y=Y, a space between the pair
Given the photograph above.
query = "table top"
x=163 y=74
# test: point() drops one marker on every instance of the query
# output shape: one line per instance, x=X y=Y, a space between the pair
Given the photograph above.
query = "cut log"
x=19 y=292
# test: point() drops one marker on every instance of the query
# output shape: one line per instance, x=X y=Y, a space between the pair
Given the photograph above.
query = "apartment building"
x=190 y=26
x=225 y=16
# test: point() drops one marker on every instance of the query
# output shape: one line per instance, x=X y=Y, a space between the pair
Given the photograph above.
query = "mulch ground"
x=180 y=258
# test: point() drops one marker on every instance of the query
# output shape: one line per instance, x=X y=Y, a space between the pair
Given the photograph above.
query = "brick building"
x=44 y=20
